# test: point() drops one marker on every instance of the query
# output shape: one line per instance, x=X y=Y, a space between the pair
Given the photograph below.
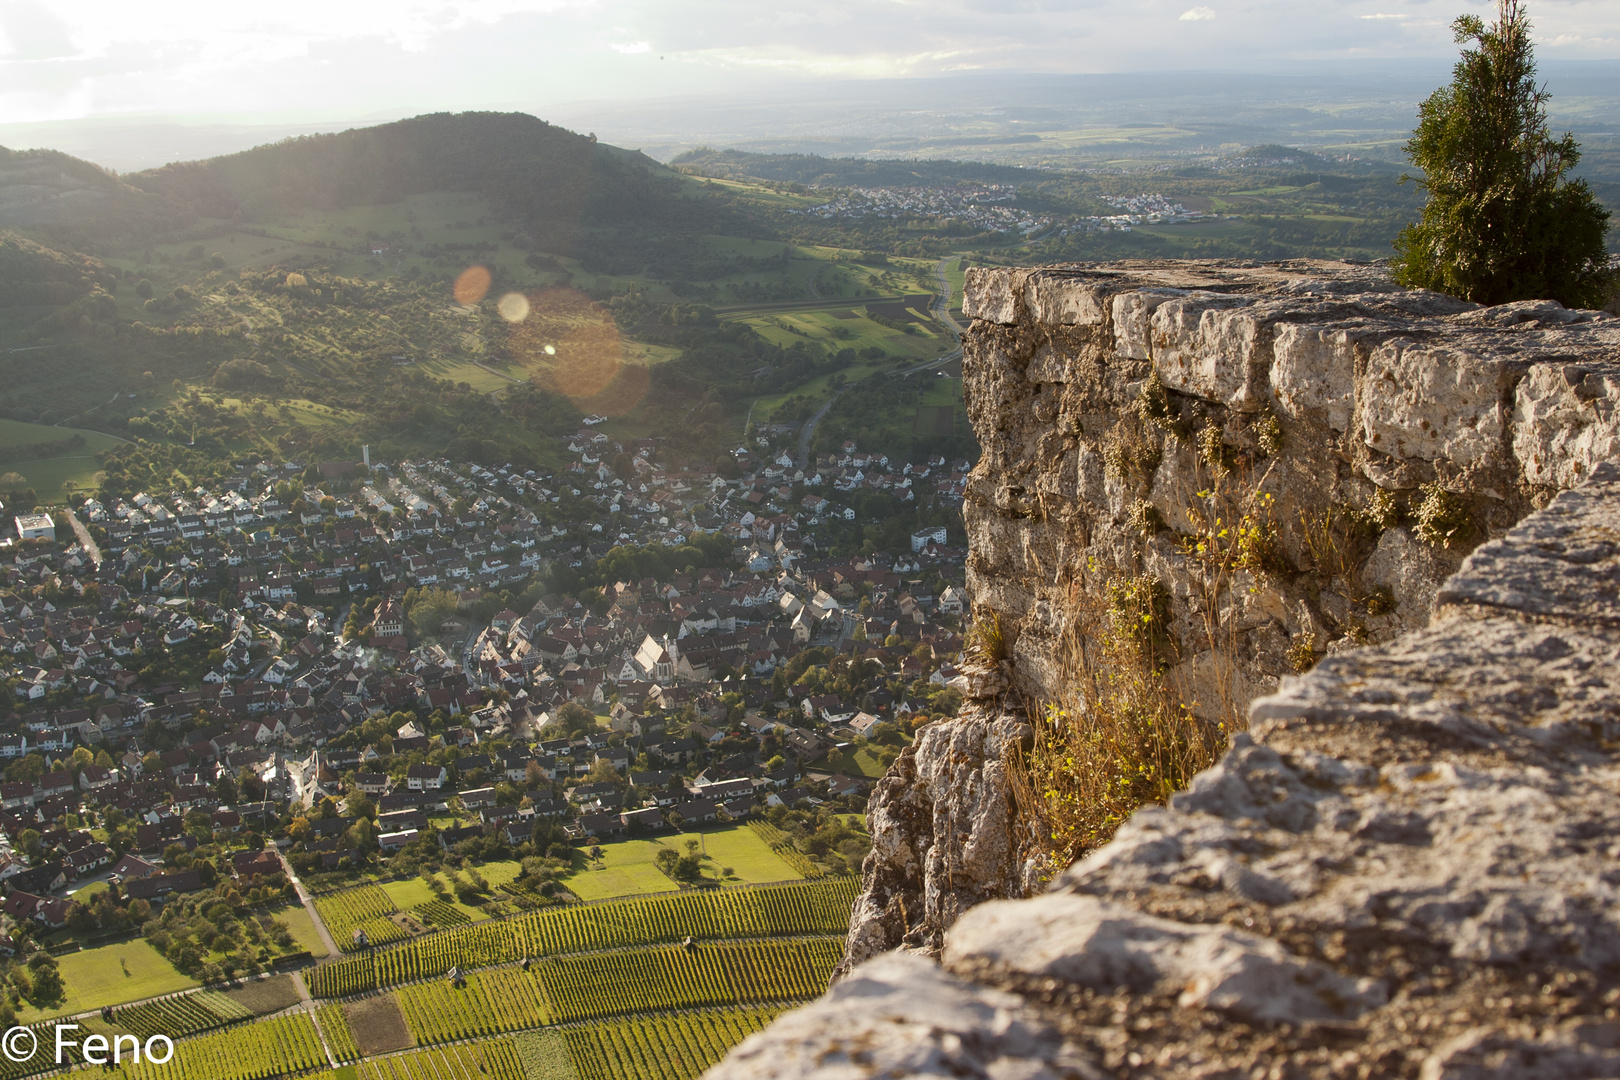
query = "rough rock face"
x=1333 y=394
x=942 y=836
x=1405 y=869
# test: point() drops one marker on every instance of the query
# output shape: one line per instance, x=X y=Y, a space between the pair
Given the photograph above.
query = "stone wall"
x=1334 y=394
x=1405 y=869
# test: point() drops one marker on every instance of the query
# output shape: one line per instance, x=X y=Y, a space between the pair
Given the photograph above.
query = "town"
x=348 y=669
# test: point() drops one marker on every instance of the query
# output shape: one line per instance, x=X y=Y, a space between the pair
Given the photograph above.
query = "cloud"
x=315 y=59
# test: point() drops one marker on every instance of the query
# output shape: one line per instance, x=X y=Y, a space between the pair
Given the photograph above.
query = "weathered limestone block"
x=1427 y=401
x=1566 y=420
x=1406 y=868
x=1313 y=374
x=902 y=1016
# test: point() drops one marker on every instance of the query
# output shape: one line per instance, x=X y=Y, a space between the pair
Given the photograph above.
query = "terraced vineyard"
x=662 y=1047
x=284 y=1044
x=715 y=974
x=491 y=1002
x=364 y=909
x=493 y=1060
x=439 y=913
x=813 y=907
x=181 y=1016
x=338 y=1035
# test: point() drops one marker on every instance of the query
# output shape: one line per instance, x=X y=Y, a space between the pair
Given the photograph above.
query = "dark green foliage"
x=554 y=181
x=1503 y=221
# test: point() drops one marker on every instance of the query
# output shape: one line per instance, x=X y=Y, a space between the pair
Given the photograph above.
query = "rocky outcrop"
x=1405 y=868
x=943 y=838
x=1124 y=410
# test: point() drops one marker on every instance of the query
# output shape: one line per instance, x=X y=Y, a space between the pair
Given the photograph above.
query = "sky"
x=379 y=59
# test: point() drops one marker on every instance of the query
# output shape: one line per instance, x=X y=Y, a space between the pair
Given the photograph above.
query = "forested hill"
x=547 y=178
x=812 y=170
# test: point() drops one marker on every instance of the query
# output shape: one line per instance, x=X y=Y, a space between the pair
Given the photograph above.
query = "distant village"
x=987 y=208
x=314 y=666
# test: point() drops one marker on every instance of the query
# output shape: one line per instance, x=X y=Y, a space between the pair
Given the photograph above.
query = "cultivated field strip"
x=365 y=908
x=283 y=1044
x=491 y=1002
x=492 y=1060
x=181 y=1015
x=661 y=1047
x=336 y=1029
x=801 y=908
x=714 y=974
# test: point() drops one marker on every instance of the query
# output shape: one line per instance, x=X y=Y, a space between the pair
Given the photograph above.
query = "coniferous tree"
x=1503 y=221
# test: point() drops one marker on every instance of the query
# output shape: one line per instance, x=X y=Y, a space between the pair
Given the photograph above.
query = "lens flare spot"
x=572 y=346
x=472 y=285
x=514 y=307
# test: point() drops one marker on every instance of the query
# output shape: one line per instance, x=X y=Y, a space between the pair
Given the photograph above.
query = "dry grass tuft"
x=1122 y=737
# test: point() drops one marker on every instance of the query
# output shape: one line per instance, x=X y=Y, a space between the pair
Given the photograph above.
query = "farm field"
x=626 y=869
x=283 y=1044
x=496 y=1059
x=48 y=473
x=748 y=857
x=111 y=975
x=305 y=937
x=610 y=989
x=594 y=985
x=811 y=907
x=489 y=1002
x=661 y=1048
x=414 y=893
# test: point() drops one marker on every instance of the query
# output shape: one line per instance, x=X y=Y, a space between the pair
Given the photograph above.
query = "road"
x=940 y=310
x=85 y=542
x=942 y=305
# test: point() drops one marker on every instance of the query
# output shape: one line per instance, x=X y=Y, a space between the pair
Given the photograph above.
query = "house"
x=92 y=777
x=132 y=868
x=426 y=777
x=251 y=864
x=862 y=723
x=393 y=841
x=599 y=825
x=649 y=817
x=449 y=838
x=372 y=783
x=696 y=810
x=161 y=885
x=53 y=783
